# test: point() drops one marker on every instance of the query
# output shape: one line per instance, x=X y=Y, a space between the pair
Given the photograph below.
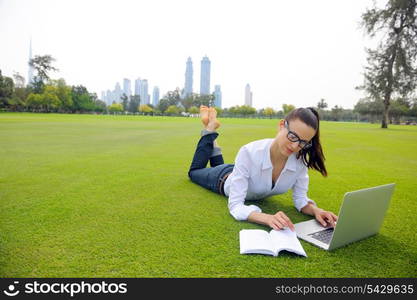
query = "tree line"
x=48 y=95
x=44 y=94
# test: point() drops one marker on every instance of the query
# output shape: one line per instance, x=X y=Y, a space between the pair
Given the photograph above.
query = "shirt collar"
x=266 y=162
x=291 y=163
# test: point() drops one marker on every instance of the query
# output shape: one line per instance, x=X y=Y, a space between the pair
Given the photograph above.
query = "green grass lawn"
x=109 y=196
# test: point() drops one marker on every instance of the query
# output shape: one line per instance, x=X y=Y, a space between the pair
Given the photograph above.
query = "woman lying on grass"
x=264 y=168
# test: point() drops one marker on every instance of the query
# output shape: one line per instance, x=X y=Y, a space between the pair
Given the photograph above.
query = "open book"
x=262 y=242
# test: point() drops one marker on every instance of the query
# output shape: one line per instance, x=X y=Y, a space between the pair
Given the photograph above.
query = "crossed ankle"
x=206 y=131
x=216 y=152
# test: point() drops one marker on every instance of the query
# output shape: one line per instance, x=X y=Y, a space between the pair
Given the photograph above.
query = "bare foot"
x=213 y=123
x=204 y=115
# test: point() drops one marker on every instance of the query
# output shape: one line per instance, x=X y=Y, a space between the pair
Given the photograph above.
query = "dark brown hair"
x=313 y=157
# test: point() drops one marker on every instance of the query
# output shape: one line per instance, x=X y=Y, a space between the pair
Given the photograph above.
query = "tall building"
x=188 y=87
x=155 y=96
x=144 y=97
x=127 y=87
x=217 y=96
x=248 y=95
x=109 y=97
x=137 y=86
x=30 y=68
x=117 y=93
x=205 y=76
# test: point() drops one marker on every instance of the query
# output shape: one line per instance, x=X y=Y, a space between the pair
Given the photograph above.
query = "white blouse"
x=251 y=179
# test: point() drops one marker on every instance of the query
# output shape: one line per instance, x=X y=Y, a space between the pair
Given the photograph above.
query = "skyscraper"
x=155 y=96
x=109 y=97
x=188 y=87
x=127 y=87
x=205 y=76
x=117 y=93
x=217 y=96
x=30 y=69
x=144 y=99
x=248 y=95
x=137 y=86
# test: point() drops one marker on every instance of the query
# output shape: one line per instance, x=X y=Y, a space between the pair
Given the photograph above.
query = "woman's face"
x=297 y=127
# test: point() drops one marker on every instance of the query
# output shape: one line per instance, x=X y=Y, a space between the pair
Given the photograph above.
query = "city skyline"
x=299 y=63
x=141 y=87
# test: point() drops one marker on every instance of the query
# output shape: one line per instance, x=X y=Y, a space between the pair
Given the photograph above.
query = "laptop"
x=360 y=216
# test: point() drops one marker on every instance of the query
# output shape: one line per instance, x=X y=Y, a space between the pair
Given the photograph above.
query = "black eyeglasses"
x=293 y=137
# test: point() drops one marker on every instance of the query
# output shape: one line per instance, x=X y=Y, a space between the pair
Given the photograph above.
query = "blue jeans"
x=209 y=178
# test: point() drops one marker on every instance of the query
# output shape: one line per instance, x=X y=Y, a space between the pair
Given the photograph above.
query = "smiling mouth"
x=289 y=151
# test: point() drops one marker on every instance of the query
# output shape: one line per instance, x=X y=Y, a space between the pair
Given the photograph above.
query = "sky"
x=292 y=52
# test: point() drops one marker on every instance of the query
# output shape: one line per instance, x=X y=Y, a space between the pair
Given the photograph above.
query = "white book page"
x=286 y=239
x=255 y=241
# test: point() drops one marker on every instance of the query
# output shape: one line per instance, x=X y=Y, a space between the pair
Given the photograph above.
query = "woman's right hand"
x=279 y=221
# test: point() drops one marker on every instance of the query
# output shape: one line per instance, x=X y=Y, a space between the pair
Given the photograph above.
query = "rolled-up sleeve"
x=299 y=190
x=239 y=188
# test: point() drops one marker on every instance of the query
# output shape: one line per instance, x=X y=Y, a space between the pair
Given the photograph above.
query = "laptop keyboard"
x=324 y=236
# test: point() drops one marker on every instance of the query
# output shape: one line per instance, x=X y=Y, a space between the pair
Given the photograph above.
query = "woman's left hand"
x=325 y=217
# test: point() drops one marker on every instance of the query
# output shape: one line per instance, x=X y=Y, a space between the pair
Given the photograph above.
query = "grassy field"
x=109 y=196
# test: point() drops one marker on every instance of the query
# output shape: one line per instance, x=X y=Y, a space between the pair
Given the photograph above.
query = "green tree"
x=247 y=110
x=233 y=110
x=243 y=110
x=42 y=65
x=188 y=102
x=399 y=108
x=198 y=100
x=18 y=100
x=19 y=80
x=218 y=110
x=173 y=97
x=115 y=108
x=413 y=108
x=193 y=110
x=20 y=93
x=322 y=105
x=336 y=113
x=34 y=102
x=172 y=110
x=368 y=107
x=133 y=103
x=146 y=109
x=207 y=100
x=82 y=99
x=391 y=68
x=287 y=108
x=268 y=112
x=64 y=94
x=163 y=105
x=50 y=99
x=125 y=102
x=6 y=90
x=101 y=106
